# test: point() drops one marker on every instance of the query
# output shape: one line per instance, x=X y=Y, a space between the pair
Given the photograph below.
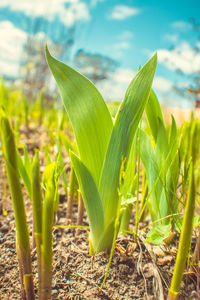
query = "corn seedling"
x=80 y=210
x=22 y=238
x=161 y=163
x=36 y=197
x=185 y=240
x=50 y=182
x=43 y=213
x=127 y=187
x=101 y=144
x=73 y=184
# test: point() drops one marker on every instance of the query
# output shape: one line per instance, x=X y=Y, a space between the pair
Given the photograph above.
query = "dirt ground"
x=138 y=270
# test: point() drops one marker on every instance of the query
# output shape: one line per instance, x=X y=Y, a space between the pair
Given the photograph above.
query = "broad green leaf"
x=149 y=160
x=88 y=113
x=173 y=139
x=172 y=175
x=126 y=123
x=158 y=233
x=154 y=114
x=67 y=143
x=162 y=147
x=91 y=199
x=61 y=162
x=130 y=170
x=106 y=237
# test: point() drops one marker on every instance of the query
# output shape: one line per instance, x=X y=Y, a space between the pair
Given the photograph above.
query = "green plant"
x=185 y=240
x=50 y=182
x=101 y=144
x=36 y=197
x=22 y=233
x=43 y=211
x=127 y=187
x=72 y=188
x=161 y=163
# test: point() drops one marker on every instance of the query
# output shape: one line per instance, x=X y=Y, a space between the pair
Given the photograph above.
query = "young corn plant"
x=185 y=239
x=50 y=182
x=72 y=188
x=22 y=233
x=43 y=213
x=161 y=163
x=127 y=187
x=37 y=206
x=102 y=145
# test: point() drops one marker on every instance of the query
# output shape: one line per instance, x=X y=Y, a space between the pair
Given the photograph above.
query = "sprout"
x=22 y=238
x=101 y=144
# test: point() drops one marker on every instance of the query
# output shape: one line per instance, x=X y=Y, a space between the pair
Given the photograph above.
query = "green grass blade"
x=152 y=169
x=87 y=112
x=126 y=123
x=61 y=162
x=162 y=147
x=22 y=240
x=185 y=239
x=27 y=161
x=24 y=175
x=91 y=199
x=154 y=114
x=10 y=155
x=129 y=170
x=49 y=181
x=36 y=194
x=67 y=143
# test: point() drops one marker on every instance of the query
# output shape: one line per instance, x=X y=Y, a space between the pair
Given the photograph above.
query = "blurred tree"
x=94 y=66
x=35 y=72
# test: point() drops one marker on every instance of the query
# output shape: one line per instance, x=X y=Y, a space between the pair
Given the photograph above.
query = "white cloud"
x=95 y=2
x=121 y=12
x=183 y=58
x=122 y=45
x=126 y=35
x=181 y=25
x=69 y=11
x=162 y=84
x=171 y=37
x=9 y=69
x=11 y=48
x=114 y=88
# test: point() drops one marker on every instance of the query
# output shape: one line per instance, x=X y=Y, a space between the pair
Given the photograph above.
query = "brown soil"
x=138 y=270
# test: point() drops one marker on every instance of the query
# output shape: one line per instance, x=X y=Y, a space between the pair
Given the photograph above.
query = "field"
x=98 y=200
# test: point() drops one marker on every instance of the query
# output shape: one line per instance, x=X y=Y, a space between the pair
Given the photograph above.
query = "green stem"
x=71 y=193
x=80 y=209
x=47 y=225
x=22 y=239
x=125 y=220
x=185 y=239
x=37 y=211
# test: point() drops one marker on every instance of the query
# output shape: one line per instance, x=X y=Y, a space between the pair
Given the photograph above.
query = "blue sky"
x=128 y=31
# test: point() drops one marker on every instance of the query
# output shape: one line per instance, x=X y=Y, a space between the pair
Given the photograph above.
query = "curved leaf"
x=126 y=123
x=88 y=113
x=154 y=114
x=91 y=199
